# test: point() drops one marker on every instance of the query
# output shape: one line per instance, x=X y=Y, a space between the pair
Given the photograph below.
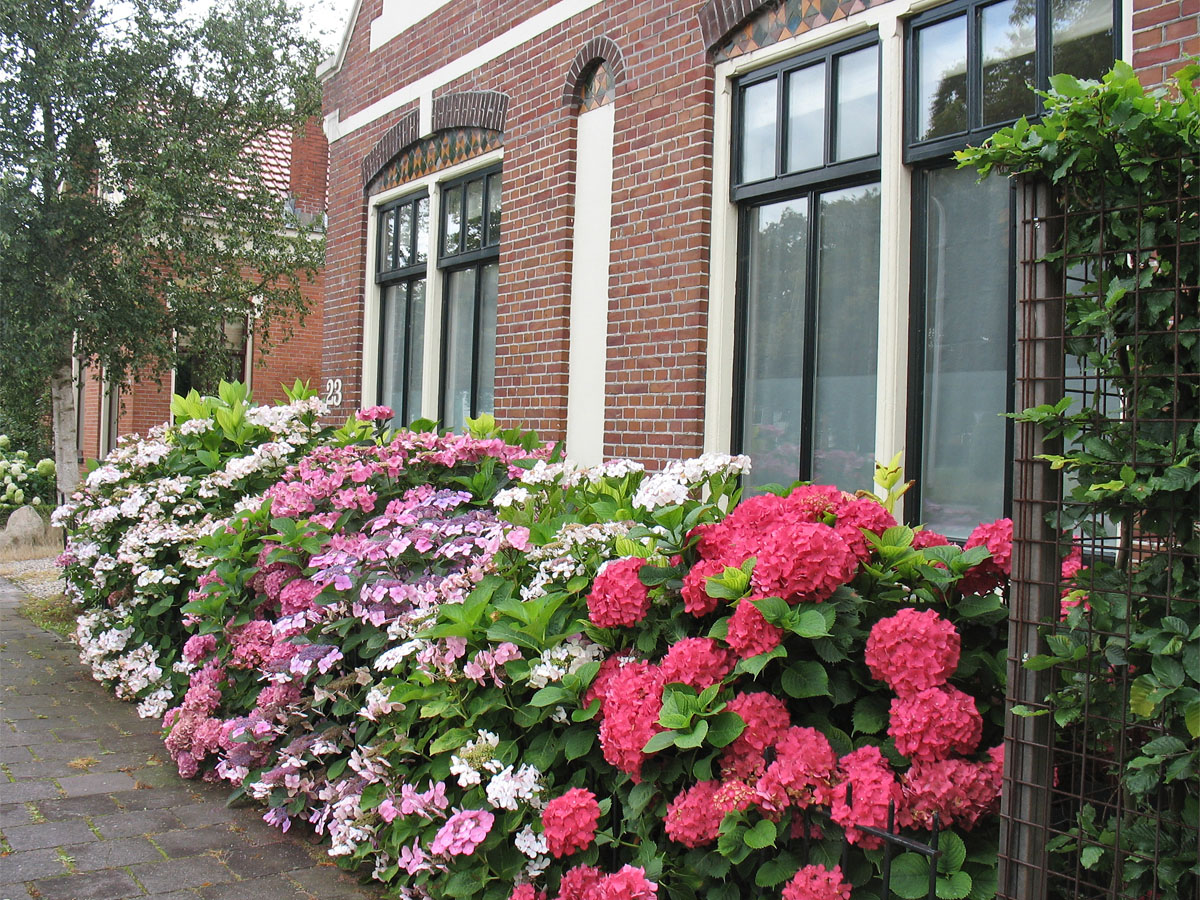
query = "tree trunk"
x=66 y=437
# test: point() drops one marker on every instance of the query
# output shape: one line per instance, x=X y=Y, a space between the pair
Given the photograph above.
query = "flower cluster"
x=23 y=481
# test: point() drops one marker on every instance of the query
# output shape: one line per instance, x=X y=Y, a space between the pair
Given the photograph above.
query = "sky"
x=328 y=19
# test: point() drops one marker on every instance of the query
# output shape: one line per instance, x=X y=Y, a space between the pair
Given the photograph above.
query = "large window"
x=807 y=187
x=969 y=68
x=468 y=253
x=403 y=244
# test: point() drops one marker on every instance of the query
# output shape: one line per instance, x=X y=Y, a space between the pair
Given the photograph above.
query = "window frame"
x=783 y=182
x=917 y=151
x=810 y=184
x=399 y=277
x=461 y=260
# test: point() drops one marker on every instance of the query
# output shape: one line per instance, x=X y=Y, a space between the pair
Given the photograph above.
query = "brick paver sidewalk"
x=92 y=809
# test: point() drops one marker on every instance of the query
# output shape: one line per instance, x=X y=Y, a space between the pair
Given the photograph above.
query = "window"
x=202 y=364
x=468 y=256
x=968 y=67
x=403 y=256
x=806 y=158
x=970 y=64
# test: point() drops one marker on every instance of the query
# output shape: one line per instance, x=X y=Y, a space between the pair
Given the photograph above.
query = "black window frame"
x=933 y=149
x=924 y=157
x=399 y=277
x=459 y=260
x=811 y=184
x=785 y=183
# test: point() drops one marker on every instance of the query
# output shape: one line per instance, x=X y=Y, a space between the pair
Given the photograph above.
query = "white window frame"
x=431 y=377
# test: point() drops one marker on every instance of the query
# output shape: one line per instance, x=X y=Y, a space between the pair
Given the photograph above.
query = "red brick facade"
x=661 y=198
x=295 y=350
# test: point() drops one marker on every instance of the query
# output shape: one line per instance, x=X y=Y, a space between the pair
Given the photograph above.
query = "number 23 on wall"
x=333 y=391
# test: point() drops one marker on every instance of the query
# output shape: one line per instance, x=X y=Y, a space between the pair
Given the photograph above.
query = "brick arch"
x=479 y=110
x=718 y=18
x=600 y=49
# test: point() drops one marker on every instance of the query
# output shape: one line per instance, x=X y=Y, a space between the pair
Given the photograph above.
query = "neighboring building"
x=661 y=228
x=295 y=168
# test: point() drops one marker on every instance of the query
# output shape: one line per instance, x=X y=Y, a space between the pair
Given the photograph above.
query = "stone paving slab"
x=92 y=809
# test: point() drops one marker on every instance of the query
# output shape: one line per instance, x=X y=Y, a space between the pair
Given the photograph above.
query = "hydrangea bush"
x=480 y=670
x=133 y=527
x=23 y=481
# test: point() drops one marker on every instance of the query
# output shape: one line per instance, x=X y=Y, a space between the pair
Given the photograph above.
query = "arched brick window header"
x=598 y=50
x=458 y=111
x=720 y=17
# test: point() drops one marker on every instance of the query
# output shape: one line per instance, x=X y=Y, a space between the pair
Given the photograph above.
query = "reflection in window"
x=1082 y=37
x=857 y=126
x=404 y=253
x=942 y=78
x=758 y=135
x=1009 y=63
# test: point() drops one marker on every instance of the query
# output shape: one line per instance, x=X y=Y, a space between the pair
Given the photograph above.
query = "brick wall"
x=1163 y=34
x=662 y=178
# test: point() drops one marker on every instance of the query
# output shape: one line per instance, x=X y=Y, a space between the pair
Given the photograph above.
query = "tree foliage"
x=133 y=208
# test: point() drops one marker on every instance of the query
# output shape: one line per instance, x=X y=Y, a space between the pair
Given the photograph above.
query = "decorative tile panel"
x=788 y=19
x=599 y=89
x=432 y=154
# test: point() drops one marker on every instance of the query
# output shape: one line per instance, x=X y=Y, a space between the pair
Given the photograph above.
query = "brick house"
x=294 y=167
x=723 y=225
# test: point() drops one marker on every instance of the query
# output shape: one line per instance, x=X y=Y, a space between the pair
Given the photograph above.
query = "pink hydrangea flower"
x=696 y=661
x=199 y=646
x=856 y=515
x=462 y=833
x=526 y=892
x=997 y=537
x=569 y=821
x=817 y=883
x=695 y=587
x=693 y=820
x=376 y=413
x=872 y=785
x=632 y=703
x=749 y=634
x=802 y=772
x=913 y=650
x=934 y=723
x=958 y=791
x=577 y=883
x=618 y=597
x=630 y=883
x=801 y=561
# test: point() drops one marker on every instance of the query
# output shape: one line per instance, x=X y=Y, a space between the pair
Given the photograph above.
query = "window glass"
x=1009 y=64
x=416 y=350
x=1082 y=36
x=758 y=130
x=847 y=329
x=806 y=118
x=966 y=383
x=488 y=289
x=391 y=347
x=493 y=211
x=857 y=127
x=451 y=237
x=422 y=229
x=473 y=233
x=776 y=282
x=387 y=241
x=942 y=78
x=460 y=347
x=404 y=235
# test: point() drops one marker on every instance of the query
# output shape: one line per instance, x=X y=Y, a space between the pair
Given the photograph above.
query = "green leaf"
x=1191 y=717
x=661 y=741
x=870 y=714
x=954 y=852
x=694 y=738
x=1090 y=856
x=761 y=835
x=639 y=796
x=450 y=740
x=910 y=876
x=805 y=678
x=811 y=624
x=953 y=887
x=578 y=741
x=724 y=728
x=550 y=695
x=1164 y=746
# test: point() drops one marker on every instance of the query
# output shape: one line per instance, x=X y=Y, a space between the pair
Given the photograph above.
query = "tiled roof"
x=275 y=155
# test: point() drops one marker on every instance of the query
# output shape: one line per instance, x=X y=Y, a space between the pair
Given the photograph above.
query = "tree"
x=133 y=210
